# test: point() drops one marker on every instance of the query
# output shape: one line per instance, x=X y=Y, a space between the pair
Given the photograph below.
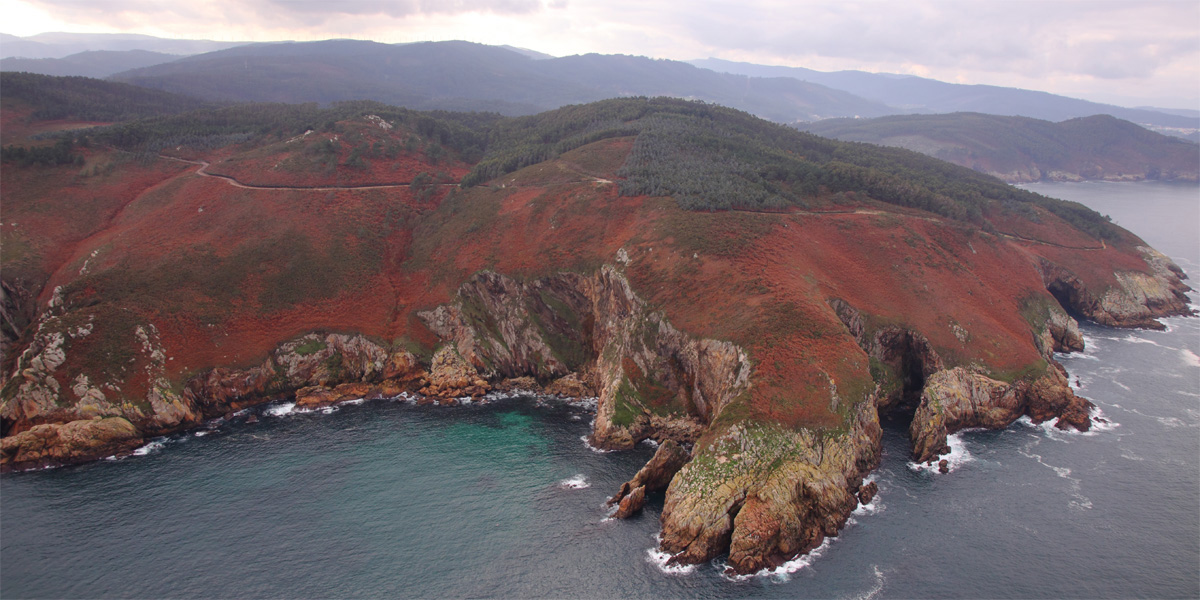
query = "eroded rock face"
x=53 y=444
x=959 y=398
x=652 y=380
x=765 y=495
x=1137 y=300
x=657 y=473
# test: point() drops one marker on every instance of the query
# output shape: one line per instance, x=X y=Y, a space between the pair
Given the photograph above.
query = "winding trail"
x=204 y=165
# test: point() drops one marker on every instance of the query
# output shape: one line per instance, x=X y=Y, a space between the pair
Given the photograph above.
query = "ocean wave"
x=577 y=482
x=280 y=410
x=1190 y=358
x=783 y=573
x=650 y=442
x=958 y=456
x=151 y=446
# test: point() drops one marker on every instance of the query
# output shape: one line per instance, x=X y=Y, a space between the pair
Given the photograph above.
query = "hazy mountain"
x=1020 y=149
x=919 y=95
x=59 y=45
x=467 y=76
x=93 y=63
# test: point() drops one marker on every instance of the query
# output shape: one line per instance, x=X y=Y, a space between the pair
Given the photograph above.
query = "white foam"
x=1190 y=358
x=203 y=433
x=354 y=401
x=875 y=589
x=152 y=446
x=874 y=507
x=588 y=443
x=650 y=442
x=280 y=410
x=659 y=559
x=784 y=572
x=577 y=482
x=957 y=457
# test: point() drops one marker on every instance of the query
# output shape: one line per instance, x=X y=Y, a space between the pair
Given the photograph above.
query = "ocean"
x=385 y=498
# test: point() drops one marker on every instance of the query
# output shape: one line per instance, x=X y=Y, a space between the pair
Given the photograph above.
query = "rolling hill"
x=93 y=63
x=751 y=296
x=911 y=94
x=1018 y=149
x=466 y=76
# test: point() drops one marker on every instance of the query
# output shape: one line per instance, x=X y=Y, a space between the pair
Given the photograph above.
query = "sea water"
x=387 y=499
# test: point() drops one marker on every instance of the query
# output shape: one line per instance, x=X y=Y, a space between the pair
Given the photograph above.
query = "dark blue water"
x=388 y=499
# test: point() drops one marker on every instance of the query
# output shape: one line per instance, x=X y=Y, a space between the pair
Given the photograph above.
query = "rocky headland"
x=759 y=348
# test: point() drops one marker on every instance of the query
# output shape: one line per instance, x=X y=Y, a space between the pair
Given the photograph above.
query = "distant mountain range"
x=91 y=63
x=910 y=94
x=467 y=76
x=518 y=81
x=60 y=45
x=1020 y=149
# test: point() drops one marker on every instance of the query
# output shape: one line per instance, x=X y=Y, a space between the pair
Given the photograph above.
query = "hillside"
x=911 y=94
x=95 y=63
x=753 y=297
x=466 y=76
x=1018 y=149
x=33 y=103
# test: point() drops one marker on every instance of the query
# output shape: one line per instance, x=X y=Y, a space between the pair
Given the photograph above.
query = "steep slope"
x=1018 y=149
x=465 y=76
x=762 y=316
x=921 y=95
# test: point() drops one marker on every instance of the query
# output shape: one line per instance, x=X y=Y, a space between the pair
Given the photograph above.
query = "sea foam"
x=958 y=456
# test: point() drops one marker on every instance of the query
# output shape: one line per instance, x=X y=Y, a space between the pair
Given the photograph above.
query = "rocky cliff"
x=757 y=313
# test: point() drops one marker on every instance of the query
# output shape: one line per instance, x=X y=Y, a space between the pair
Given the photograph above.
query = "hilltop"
x=753 y=297
x=1018 y=149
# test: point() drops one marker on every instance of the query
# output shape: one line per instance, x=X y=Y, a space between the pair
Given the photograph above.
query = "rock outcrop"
x=54 y=444
x=1137 y=299
x=578 y=333
x=765 y=494
x=959 y=398
x=656 y=475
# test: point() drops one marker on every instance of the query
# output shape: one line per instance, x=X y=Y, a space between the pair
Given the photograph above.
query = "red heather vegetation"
x=226 y=273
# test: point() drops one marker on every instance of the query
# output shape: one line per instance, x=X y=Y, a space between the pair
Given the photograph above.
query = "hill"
x=1018 y=149
x=466 y=76
x=751 y=296
x=60 y=44
x=913 y=94
x=94 y=63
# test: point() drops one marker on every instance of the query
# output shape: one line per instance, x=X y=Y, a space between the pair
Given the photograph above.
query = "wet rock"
x=867 y=492
x=657 y=473
x=943 y=466
x=632 y=503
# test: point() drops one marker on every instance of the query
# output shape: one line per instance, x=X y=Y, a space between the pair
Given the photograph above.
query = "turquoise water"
x=386 y=499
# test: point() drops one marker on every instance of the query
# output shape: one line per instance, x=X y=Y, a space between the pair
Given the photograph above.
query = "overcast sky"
x=1128 y=52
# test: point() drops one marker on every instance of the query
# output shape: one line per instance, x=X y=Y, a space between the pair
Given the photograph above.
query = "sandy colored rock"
x=55 y=444
x=632 y=503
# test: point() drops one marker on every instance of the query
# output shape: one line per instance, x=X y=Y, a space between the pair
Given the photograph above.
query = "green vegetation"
x=311 y=346
x=58 y=154
x=90 y=99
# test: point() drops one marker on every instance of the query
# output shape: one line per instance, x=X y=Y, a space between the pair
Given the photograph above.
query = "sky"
x=1128 y=52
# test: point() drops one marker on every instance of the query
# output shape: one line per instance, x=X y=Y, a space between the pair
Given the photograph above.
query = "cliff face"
x=653 y=381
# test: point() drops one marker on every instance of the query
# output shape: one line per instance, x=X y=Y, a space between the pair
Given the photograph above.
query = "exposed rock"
x=657 y=473
x=518 y=384
x=452 y=377
x=569 y=387
x=943 y=466
x=1136 y=301
x=958 y=398
x=777 y=494
x=53 y=444
x=632 y=503
x=867 y=492
x=596 y=326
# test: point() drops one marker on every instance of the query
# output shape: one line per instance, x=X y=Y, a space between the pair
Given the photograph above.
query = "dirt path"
x=203 y=172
